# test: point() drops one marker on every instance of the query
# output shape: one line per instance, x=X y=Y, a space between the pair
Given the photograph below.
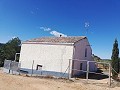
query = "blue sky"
x=28 y=19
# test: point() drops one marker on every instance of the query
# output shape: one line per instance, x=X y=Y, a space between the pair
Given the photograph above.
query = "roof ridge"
x=69 y=39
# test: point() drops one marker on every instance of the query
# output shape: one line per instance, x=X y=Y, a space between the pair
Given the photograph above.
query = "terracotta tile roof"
x=72 y=39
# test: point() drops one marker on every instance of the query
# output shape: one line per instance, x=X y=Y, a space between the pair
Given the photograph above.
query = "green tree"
x=115 y=59
x=2 y=56
x=12 y=47
x=8 y=50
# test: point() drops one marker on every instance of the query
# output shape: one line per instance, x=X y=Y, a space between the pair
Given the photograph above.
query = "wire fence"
x=91 y=71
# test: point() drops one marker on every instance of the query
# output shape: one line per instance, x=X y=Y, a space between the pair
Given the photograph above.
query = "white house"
x=50 y=55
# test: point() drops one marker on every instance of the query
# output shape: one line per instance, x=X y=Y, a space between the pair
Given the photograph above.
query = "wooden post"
x=87 y=73
x=32 y=67
x=19 y=66
x=15 y=56
x=69 y=74
x=10 y=66
x=109 y=75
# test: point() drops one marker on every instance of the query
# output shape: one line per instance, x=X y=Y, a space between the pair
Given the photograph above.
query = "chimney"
x=60 y=35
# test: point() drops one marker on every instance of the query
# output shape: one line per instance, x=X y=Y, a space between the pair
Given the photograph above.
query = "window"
x=86 y=52
x=81 y=66
x=39 y=67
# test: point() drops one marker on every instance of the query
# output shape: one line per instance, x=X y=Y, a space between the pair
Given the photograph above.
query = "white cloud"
x=14 y=37
x=45 y=28
x=57 y=34
x=53 y=32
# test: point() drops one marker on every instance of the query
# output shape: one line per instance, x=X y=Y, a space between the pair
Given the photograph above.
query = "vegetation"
x=96 y=58
x=104 y=62
x=8 y=50
x=1 y=44
x=115 y=59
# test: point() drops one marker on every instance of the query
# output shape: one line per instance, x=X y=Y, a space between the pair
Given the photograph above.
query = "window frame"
x=39 y=67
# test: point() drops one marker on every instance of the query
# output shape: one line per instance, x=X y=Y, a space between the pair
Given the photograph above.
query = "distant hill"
x=96 y=58
x=106 y=60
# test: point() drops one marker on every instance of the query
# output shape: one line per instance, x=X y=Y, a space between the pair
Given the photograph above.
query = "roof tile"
x=72 y=39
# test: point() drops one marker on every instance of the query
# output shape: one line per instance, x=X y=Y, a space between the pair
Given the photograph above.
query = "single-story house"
x=57 y=56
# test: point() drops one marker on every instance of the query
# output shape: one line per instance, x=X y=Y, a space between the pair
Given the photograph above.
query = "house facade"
x=51 y=55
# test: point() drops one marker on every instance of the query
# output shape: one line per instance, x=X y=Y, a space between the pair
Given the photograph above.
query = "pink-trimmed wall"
x=79 y=55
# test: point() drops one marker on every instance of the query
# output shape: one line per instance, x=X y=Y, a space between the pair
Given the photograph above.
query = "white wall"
x=51 y=57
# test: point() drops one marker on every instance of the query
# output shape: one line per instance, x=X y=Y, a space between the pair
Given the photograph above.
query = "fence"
x=91 y=71
x=11 y=66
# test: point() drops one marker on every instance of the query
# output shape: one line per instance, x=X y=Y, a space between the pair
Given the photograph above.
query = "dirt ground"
x=16 y=82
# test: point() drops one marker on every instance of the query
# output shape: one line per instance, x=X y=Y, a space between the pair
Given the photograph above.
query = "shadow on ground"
x=99 y=75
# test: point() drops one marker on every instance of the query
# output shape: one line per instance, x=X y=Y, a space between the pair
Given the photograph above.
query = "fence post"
x=69 y=74
x=32 y=67
x=87 y=73
x=10 y=66
x=19 y=66
x=109 y=75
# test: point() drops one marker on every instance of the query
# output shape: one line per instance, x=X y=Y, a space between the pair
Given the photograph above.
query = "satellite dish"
x=87 y=24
